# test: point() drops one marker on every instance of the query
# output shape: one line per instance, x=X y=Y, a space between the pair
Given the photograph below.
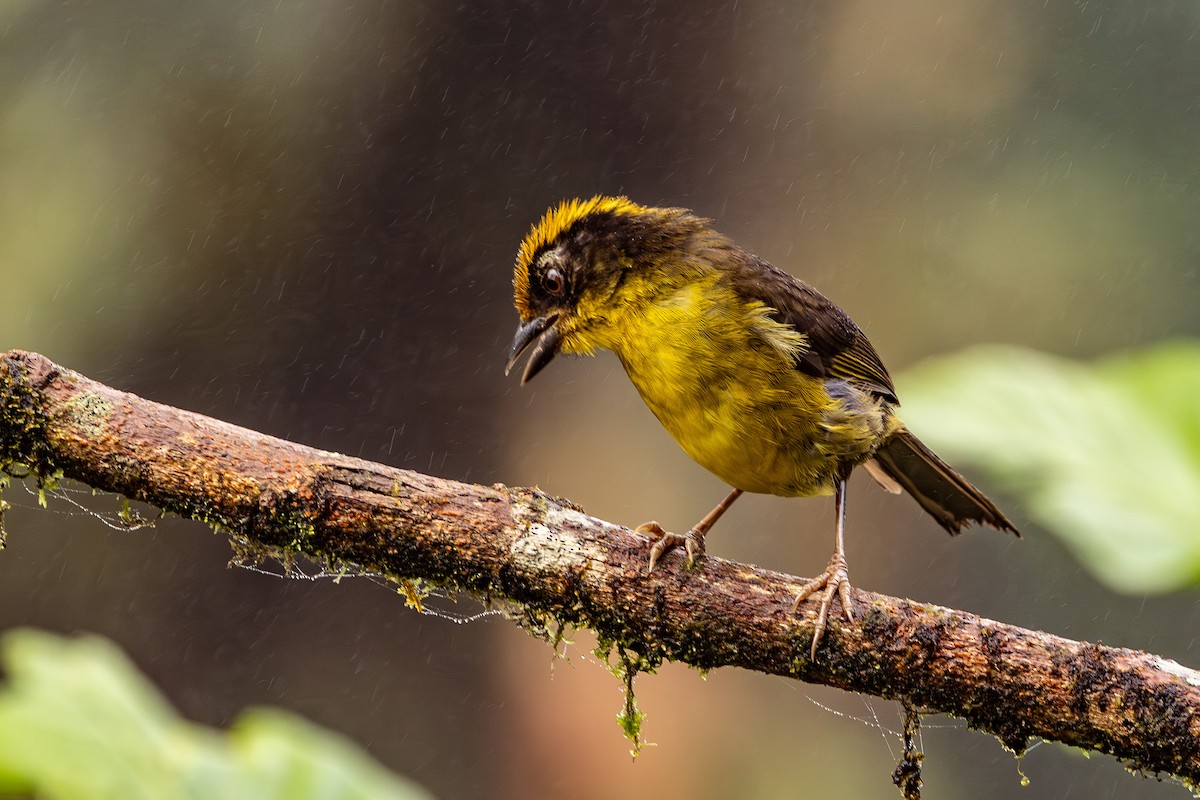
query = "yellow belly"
x=729 y=394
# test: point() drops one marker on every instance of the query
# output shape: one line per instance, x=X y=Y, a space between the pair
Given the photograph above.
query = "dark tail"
x=941 y=491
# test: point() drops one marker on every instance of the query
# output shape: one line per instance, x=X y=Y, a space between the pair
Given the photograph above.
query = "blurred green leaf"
x=1104 y=455
x=77 y=722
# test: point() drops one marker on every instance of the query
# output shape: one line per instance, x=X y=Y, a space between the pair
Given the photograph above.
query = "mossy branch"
x=562 y=566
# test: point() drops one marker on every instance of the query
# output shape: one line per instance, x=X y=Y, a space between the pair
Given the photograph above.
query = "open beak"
x=548 y=338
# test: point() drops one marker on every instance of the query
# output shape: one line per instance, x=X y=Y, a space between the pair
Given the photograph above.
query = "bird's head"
x=573 y=271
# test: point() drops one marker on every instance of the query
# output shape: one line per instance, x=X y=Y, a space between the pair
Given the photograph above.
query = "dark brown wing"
x=837 y=347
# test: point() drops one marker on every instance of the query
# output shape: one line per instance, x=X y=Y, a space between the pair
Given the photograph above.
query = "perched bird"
x=759 y=377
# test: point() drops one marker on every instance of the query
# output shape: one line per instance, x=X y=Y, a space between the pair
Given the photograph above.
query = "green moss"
x=614 y=647
x=1024 y=780
x=630 y=718
x=22 y=423
x=560 y=638
x=907 y=775
x=24 y=450
x=414 y=590
x=625 y=663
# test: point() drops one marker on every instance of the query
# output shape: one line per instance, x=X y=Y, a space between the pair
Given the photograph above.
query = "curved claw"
x=692 y=541
x=835 y=580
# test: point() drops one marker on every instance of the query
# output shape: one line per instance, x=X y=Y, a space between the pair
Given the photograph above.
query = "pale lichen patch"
x=90 y=412
x=556 y=551
x=563 y=517
x=1189 y=676
x=546 y=543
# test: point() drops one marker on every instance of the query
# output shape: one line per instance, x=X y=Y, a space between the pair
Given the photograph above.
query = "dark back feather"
x=837 y=347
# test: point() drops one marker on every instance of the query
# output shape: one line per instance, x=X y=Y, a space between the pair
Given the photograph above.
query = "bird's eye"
x=554 y=282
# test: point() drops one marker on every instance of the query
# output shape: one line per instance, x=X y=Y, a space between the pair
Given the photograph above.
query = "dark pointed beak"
x=548 y=337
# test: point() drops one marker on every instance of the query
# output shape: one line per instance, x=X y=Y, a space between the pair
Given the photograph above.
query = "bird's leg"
x=835 y=579
x=693 y=540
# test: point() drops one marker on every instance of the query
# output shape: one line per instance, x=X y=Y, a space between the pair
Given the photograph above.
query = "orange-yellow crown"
x=556 y=222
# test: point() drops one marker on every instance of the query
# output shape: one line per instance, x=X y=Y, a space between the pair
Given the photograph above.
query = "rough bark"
x=560 y=566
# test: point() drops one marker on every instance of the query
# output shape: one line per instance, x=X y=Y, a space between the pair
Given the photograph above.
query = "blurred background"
x=302 y=218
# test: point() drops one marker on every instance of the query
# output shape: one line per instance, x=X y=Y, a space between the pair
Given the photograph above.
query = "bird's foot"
x=835 y=580
x=693 y=543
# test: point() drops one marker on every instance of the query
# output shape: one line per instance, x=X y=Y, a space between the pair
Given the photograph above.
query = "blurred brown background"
x=302 y=218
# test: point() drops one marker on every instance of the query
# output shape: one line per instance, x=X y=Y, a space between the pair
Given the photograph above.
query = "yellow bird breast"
x=719 y=374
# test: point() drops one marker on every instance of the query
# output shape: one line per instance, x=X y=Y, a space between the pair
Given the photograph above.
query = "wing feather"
x=837 y=347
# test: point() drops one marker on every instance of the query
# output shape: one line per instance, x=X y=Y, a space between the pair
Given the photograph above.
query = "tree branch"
x=560 y=565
